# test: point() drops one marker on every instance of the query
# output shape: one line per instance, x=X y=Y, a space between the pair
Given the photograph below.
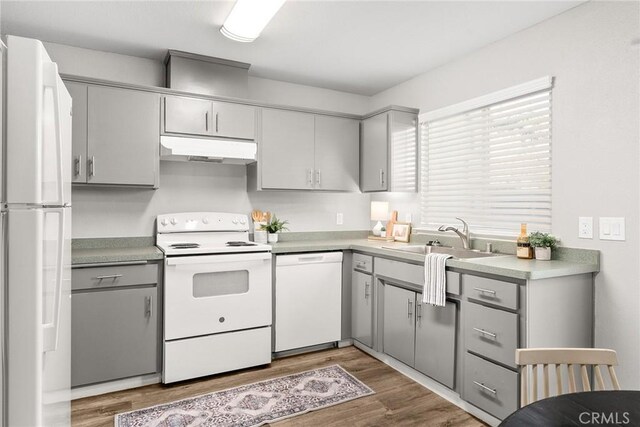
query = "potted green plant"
x=543 y=243
x=273 y=227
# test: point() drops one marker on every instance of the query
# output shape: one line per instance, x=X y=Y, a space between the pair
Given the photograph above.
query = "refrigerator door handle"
x=50 y=330
x=51 y=81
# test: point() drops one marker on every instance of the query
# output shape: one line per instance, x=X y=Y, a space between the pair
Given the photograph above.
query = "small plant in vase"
x=543 y=243
x=273 y=227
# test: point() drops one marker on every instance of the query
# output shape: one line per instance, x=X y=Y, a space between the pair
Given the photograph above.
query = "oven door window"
x=218 y=283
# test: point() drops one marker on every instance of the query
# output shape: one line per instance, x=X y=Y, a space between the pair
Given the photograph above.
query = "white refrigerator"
x=36 y=237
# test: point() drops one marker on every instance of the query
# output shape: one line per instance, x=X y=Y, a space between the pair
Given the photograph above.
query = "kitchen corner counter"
x=114 y=250
x=500 y=265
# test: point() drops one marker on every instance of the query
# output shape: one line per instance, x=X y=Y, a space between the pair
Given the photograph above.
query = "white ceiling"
x=355 y=46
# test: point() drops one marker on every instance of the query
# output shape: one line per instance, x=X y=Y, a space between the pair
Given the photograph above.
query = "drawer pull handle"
x=419 y=311
x=110 y=276
x=484 y=387
x=483 y=332
x=409 y=306
x=485 y=291
x=361 y=264
x=148 y=310
x=366 y=289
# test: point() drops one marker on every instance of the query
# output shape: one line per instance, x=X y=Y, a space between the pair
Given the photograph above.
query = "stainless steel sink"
x=454 y=252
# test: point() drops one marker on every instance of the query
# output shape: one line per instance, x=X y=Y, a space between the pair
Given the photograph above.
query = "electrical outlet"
x=585 y=227
x=339 y=218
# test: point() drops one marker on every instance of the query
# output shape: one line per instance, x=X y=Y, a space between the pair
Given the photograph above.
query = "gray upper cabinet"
x=123 y=136
x=305 y=151
x=196 y=116
x=436 y=341
x=234 y=120
x=389 y=151
x=188 y=116
x=287 y=150
x=399 y=323
x=374 y=154
x=78 y=92
x=362 y=307
x=115 y=135
x=336 y=153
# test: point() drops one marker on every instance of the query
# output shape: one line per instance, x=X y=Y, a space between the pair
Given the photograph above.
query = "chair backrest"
x=554 y=359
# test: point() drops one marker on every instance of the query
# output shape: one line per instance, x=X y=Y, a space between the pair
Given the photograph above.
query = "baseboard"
x=111 y=386
x=430 y=384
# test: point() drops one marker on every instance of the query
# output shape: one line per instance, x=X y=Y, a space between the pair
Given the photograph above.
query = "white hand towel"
x=435 y=279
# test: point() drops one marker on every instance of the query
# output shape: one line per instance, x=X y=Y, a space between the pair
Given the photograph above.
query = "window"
x=488 y=160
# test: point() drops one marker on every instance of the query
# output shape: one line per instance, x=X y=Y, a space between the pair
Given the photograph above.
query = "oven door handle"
x=218 y=259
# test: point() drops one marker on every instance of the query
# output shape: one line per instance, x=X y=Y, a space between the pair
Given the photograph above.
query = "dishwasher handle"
x=309 y=258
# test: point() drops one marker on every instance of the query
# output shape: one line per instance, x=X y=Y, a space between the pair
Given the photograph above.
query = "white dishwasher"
x=308 y=299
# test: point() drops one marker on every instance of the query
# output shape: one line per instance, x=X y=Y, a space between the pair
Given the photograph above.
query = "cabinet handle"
x=318 y=177
x=148 y=310
x=485 y=291
x=483 y=332
x=216 y=122
x=361 y=264
x=92 y=166
x=206 y=121
x=419 y=311
x=78 y=165
x=409 y=312
x=310 y=177
x=381 y=177
x=484 y=387
x=109 y=276
x=366 y=289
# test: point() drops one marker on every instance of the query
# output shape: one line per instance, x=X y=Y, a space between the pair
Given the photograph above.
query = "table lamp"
x=379 y=212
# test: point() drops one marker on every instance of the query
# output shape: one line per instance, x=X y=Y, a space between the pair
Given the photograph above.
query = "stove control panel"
x=202 y=221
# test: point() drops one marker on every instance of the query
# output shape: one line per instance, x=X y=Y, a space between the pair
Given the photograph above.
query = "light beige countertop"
x=114 y=250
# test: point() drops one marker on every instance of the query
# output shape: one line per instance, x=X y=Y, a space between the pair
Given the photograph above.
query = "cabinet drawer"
x=363 y=263
x=492 y=333
x=490 y=387
x=504 y=294
x=113 y=276
x=412 y=273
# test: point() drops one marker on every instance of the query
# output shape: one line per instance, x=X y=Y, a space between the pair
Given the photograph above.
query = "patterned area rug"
x=254 y=404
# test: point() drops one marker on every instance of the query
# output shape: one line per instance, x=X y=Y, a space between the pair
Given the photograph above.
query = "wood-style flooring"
x=398 y=401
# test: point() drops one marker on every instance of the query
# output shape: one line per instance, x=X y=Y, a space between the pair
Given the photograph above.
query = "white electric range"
x=217 y=295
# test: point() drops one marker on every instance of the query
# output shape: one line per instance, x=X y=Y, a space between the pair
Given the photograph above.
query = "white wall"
x=104 y=212
x=595 y=146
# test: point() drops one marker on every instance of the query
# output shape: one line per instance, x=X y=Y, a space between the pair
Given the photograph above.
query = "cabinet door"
x=78 y=92
x=336 y=153
x=436 y=341
x=286 y=150
x=362 y=308
x=114 y=334
x=399 y=324
x=374 y=154
x=234 y=120
x=123 y=136
x=188 y=115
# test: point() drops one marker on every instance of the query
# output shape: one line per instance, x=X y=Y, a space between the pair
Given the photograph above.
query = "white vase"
x=543 y=254
x=273 y=237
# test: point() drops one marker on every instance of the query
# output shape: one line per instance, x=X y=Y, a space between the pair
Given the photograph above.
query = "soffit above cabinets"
x=361 y=47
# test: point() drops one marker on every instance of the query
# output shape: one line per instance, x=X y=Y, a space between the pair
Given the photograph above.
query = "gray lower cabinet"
x=362 y=307
x=114 y=327
x=490 y=386
x=436 y=341
x=115 y=135
x=399 y=324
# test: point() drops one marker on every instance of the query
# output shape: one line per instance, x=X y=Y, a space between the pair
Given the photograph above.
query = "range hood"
x=212 y=150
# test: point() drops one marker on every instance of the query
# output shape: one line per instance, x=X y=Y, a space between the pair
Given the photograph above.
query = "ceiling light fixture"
x=248 y=18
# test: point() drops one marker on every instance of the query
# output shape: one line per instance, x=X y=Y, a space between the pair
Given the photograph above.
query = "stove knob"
x=205 y=220
x=164 y=222
x=243 y=220
x=174 y=221
x=234 y=220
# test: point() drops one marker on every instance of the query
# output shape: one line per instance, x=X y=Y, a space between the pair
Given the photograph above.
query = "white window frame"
x=528 y=88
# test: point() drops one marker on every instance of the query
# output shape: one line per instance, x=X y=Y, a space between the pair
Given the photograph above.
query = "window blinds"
x=490 y=165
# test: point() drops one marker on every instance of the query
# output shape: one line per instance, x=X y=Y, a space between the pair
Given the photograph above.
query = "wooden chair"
x=553 y=359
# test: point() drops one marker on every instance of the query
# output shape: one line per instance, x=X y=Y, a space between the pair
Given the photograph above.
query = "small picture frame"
x=401 y=231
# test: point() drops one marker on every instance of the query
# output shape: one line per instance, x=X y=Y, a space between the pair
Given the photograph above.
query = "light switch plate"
x=339 y=218
x=612 y=228
x=585 y=227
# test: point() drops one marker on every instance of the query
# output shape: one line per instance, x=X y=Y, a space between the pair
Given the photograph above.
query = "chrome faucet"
x=464 y=235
